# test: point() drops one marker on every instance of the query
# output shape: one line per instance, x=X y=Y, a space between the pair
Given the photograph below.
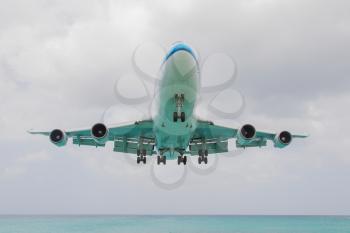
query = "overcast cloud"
x=59 y=62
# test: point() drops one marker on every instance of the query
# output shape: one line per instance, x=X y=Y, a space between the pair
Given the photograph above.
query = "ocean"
x=174 y=224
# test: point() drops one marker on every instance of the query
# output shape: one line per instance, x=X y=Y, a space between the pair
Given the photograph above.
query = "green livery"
x=174 y=132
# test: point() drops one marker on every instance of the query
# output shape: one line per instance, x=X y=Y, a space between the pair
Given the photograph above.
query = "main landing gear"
x=202 y=156
x=141 y=156
x=179 y=100
x=182 y=159
x=161 y=159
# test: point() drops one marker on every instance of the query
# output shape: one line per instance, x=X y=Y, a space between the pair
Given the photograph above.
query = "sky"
x=62 y=63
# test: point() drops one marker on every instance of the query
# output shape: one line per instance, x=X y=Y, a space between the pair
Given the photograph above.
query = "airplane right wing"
x=214 y=138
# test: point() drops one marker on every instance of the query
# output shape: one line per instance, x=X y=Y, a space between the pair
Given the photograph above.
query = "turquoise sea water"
x=174 y=224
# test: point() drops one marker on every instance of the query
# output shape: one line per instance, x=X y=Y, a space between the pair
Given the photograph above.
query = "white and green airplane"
x=174 y=132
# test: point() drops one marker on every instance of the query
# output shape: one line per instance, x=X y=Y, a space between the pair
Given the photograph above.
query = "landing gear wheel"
x=181 y=159
x=182 y=116
x=144 y=160
x=200 y=153
x=206 y=153
x=138 y=159
x=205 y=160
x=175 y=116
x=161 y=159
x=199 y=160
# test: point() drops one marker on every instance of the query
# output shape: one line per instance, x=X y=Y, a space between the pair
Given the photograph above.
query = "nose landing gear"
x=179 y=100
x=176 y=116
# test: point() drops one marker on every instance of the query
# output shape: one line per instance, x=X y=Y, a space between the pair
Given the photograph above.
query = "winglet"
x=301 y=135
x=32 y=131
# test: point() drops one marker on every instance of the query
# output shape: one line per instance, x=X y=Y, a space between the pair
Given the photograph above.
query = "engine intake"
x=283 y=139
x=58 y=137
x=100 y=133
x=245 y=134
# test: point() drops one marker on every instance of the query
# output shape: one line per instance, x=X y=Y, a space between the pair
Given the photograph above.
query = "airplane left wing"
x=128 y=138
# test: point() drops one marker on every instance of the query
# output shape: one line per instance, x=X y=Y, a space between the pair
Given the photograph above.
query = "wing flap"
x=207 y=130
x=86 y=142
x=213 y=147
x=257 y=142
x=131 y=146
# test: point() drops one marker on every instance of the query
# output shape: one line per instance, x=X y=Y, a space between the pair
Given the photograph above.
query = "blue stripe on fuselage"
x=180 y=47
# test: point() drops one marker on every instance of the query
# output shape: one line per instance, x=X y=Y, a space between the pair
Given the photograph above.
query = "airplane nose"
x=180 y=47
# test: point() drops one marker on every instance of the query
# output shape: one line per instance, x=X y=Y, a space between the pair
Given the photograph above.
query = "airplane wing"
x=214 y=138
x=127 y=138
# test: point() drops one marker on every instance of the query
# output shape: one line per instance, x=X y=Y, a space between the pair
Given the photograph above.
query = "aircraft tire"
x=200 y=153
x=182 y=116
x=175 y=116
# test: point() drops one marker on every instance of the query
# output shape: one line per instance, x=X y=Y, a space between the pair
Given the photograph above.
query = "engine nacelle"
x=100 y=133
x=245 y=134
x=282 y=139
x=58 y=137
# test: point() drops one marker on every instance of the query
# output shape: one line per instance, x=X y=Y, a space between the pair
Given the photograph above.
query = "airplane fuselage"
x=176 y=97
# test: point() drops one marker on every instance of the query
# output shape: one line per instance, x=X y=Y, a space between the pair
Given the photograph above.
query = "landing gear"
x=161 y=159
x=176 y=116
x=141 y=159
x=179 y=100
x=141 y=156
x=202 y=159
x=202 y=156
x=182 y=159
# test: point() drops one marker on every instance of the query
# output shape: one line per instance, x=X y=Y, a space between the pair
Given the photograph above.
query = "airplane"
x=175 y=131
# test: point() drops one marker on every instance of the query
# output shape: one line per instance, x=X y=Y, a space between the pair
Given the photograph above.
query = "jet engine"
x=282 y=139
x=58 y=137
x=100 y=133
x=245 y=134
